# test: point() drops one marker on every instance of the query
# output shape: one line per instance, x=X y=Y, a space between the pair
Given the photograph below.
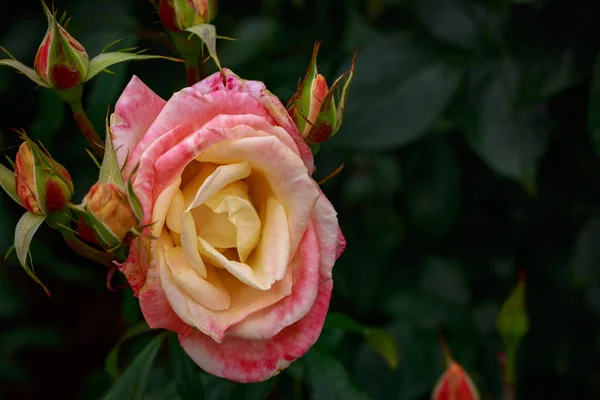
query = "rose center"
x=223 y=221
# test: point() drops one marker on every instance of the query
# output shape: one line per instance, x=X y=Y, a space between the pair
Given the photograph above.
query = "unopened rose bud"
x=179 y=15
x=61 y=61
x=43 y=185
x=108 y=214
x=313 y=107
x=513 y=320
x=455 y=384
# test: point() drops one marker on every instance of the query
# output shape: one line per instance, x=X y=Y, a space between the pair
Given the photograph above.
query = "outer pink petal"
x=331 y=239
x=156 y=308
x=135 y=111
x=246 y=361
x=269 y=322
x=190 y=108
x=275 y=108
x=134 y=268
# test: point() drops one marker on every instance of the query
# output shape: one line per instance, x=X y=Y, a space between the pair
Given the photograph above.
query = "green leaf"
x=254 y=391
x=443 y=279
x=433 y=191
x=328 y=379
x=384 y=343
x=449 y=21
x=396 y=94
x=208 y=34
x=7 y=181
x=186 y=372
x=594 y=109
x=513 y=321
x=337 y=320
x=109 y=170
x=509 y=141
x=111 y=365
x=378 y=338
x=131 y=385
x=102 y=61
x=26 y=228
x=25 y=70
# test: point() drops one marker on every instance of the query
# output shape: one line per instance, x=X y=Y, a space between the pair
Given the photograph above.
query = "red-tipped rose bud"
x=108 y=214
x=179 y=15
x=61 y=61
x=43 y=185
x=313 y=107
x=455 y=384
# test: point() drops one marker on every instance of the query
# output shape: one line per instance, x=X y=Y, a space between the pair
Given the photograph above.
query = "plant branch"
x=87 y=129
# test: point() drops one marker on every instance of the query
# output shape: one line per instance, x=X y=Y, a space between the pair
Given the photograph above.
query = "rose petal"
x=209 y=292
x=244 y=301
x=246 y=361
x=328 y=232
x=270 y=321
x=137 y=108
x=134 y=268
x=268 y=264
x=275 y=108
x=285 y=172
x=187 y=107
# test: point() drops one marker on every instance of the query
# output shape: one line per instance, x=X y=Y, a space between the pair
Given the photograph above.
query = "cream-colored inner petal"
x=224 y=244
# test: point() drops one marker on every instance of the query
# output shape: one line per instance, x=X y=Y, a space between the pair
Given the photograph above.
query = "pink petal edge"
x=266 y=323
x=137 y=108
x=246 y=361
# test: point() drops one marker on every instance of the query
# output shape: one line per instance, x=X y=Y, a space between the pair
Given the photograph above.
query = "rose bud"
x=108 y=214
x=178 y=15
x=61 y=61
x=313 y=106
x=513 y=320
x=455 y=384
x=43 y=185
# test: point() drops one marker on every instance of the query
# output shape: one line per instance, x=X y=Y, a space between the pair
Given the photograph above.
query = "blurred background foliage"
x=470 y=146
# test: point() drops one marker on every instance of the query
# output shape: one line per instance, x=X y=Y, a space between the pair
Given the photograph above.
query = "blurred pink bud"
x=455 y=384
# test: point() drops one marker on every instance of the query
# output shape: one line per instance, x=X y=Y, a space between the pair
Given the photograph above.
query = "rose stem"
x=194 y=69
x=86 y=128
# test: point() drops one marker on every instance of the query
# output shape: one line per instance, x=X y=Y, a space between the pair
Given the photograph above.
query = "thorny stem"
x=87 y=129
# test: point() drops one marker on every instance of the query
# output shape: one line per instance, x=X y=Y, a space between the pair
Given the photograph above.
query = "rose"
x=242 y=242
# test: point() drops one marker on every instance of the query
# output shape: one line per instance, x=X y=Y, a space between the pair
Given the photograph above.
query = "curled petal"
x=135 y=111
x=247 y=361
x=269 y=322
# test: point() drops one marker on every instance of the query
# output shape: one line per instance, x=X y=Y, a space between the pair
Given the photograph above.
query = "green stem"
x=86 y=251
x=193 y=71
x=509 y=379
x=87 y=129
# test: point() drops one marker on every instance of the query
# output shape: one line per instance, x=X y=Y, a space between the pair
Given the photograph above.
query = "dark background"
x=468 y=157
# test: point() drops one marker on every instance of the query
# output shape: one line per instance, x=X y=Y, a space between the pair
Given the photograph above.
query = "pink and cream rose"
x=239 y=256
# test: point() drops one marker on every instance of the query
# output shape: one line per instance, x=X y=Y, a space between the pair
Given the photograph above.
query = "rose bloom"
x=239 y=256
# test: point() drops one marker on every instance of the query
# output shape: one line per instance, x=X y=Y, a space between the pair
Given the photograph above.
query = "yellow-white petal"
x=209 y=292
